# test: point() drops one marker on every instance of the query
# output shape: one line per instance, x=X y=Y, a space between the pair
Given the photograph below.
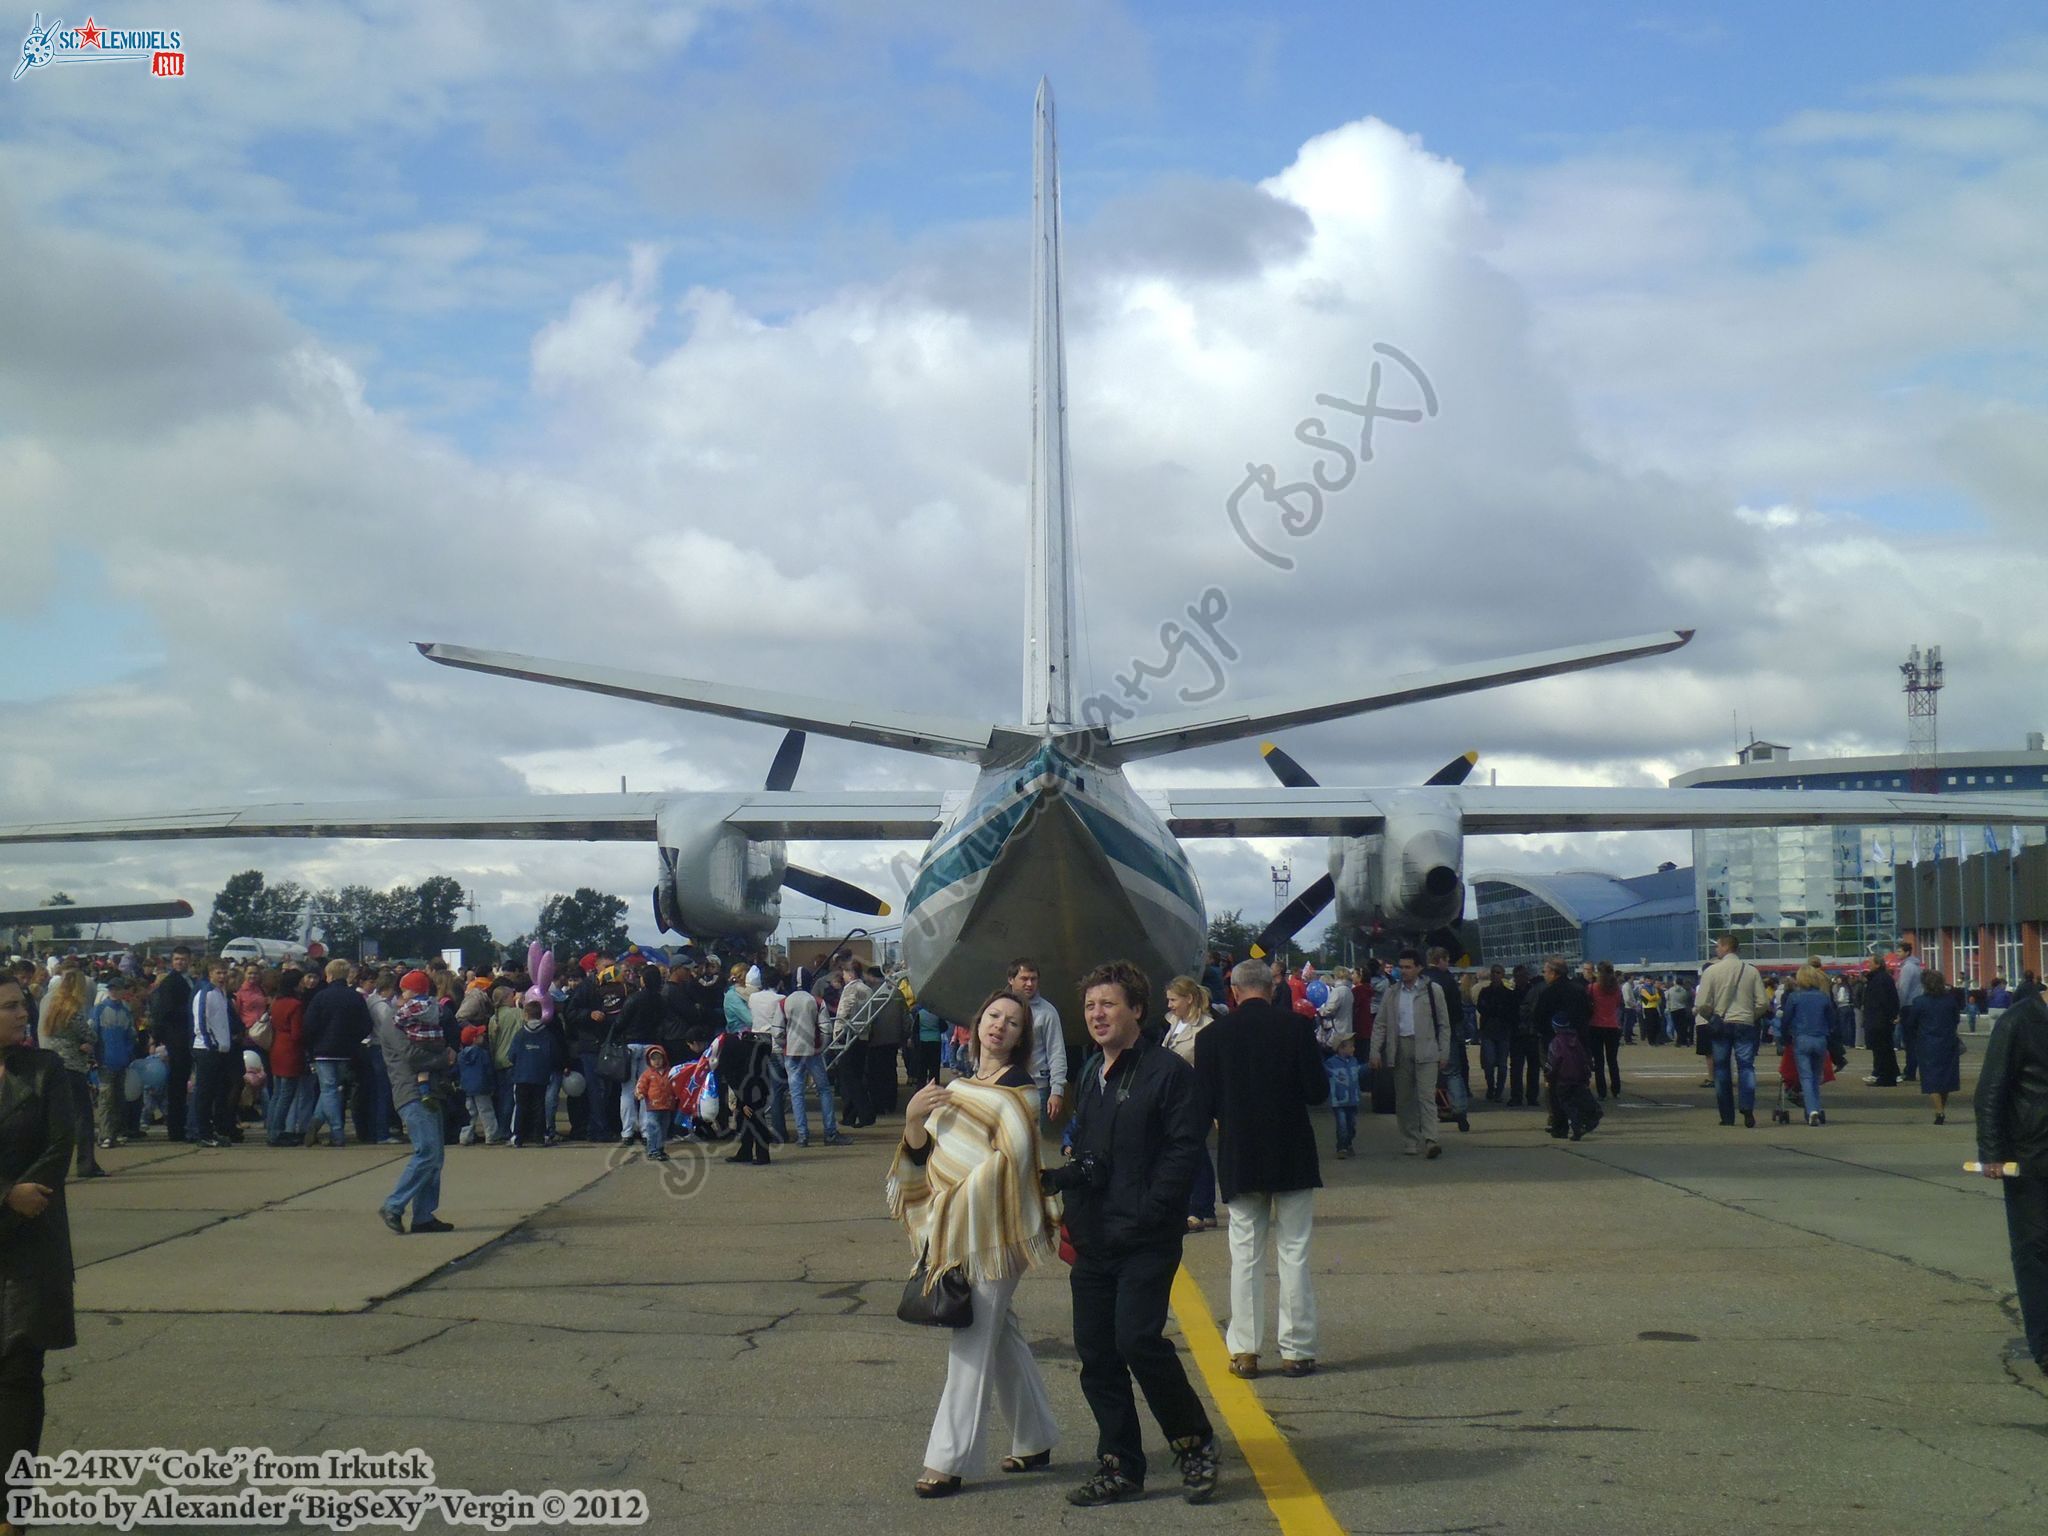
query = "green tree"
x=62 y=930
x=436 y=902
x=478 y=948
x=1230 y=933
x=236 y=908
x=279 y=911
x=573 y=925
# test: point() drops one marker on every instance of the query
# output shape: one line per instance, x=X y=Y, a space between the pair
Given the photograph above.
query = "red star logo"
x=88 y=35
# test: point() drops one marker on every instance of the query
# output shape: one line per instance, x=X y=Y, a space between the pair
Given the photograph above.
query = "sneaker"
x=803 y=1141
x=393 y=1220
x=1198 y=1459
x=657 y=1157
x=1107 y=1486
x=1434 y=1149
x=432 y=1224
x=839 y=1139
x=1749 y=1118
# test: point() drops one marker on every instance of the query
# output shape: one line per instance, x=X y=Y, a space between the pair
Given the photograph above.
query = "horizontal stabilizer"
x=1151 y=735
x=1332 y=811
x=872 y=815
x=932 y=735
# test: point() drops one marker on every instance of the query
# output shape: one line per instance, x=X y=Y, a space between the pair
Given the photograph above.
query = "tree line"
x=411 y=920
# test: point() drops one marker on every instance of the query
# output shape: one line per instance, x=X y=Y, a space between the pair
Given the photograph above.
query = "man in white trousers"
x=1260 y=1071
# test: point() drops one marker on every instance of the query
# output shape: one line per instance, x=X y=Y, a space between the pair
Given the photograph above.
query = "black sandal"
x=1036 y=1461
x=935 y=1487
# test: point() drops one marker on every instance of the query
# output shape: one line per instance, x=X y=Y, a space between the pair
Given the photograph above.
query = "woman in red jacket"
x=292 y=1085
x=1605 y=1045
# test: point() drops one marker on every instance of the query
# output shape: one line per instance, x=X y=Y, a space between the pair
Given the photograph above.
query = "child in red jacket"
x=657 y=1096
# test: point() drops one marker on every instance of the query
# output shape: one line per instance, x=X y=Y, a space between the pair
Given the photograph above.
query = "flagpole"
x=2012 y=903
x=1984 y=972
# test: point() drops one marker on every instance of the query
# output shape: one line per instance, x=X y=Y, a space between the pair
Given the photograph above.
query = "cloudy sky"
x=692 y=337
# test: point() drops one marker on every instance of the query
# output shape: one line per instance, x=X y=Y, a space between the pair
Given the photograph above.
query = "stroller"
x=1790 y=1098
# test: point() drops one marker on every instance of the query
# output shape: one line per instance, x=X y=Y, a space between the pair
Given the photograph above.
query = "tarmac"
x=1668 y=1327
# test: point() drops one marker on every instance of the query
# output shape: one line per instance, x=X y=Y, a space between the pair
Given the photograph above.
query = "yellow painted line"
x=1292 y=1497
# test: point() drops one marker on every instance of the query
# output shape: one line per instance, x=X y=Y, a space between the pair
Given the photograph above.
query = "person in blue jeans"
x=1344 y=1091
x=1730 y=1003
x=336 y=1018
x=1807 y=1030
x=413 y=1052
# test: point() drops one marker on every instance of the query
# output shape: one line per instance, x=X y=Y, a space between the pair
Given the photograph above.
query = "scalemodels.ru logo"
x=92 y=43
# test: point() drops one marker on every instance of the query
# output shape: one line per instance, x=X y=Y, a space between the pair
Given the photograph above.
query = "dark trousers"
x=1606 y=1053
x=853 y=1086
x=924 y=1063
x=1907 y=1044
x=178 y=1058
x=81 y=1108
x=753 y=1122
x=2026 y=1223
x=881 y=1079
x=1202 y=1193
x=1884 y=1060
x=529 y=1113
x=373 y=1111
x=212 y=1073
x=21 y=1410
x=1120 y=1333
x=1573 y=1109
x=1525 y=1070
x=1681 y=1025
x=1495 y=1050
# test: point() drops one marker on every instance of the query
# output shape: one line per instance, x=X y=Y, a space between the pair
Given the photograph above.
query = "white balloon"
x=131 y=1082
x=251 y=1062
x=572 y=1084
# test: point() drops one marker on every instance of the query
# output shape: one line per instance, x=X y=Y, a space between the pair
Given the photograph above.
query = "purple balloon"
x=534 y=951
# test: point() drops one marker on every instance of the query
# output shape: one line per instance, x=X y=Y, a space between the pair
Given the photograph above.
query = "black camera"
x=1089 y=1170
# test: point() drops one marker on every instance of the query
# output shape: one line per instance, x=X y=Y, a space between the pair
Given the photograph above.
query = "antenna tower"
x=1923 y=675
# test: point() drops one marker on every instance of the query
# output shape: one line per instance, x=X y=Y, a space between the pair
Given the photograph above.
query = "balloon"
x=131 y=1082
x=544 y=974
x=1318 y=993
x=572 y=1084
x=156 y=1073
x=251 y=1062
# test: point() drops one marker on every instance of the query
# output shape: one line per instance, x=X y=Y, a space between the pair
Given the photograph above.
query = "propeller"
x=1298 y=913
x=829 y=889
x=788 y=757
x=833 y=891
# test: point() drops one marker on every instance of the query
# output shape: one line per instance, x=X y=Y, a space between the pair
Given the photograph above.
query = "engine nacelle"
x=1409 y=877
x=715 y=881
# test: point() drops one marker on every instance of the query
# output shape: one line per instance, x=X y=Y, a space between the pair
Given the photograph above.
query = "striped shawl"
x=974 y=1204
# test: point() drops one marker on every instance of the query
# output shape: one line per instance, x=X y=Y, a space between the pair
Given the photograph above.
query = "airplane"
x=1053 y=853
x=29 y=918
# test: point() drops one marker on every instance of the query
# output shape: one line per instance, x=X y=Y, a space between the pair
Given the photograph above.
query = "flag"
x=1990 y=841
x=1939 y=840
x=2015 y=848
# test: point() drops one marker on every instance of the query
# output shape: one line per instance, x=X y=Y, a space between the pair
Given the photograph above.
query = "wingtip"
x=1685 y=636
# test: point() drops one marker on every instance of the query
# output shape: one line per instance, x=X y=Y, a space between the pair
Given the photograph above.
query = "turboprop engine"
x=714 y=878
x=1407 y=878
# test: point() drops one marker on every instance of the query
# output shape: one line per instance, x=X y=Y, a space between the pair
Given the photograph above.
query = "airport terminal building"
x=1844 y=893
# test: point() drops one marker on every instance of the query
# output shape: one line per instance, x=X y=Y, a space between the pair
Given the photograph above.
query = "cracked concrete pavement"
x=1668 y=1327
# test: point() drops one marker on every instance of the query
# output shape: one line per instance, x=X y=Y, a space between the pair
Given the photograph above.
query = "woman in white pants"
x=965 y=1184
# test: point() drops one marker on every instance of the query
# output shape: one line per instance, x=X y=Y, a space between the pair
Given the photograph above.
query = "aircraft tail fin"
x=1048 y=618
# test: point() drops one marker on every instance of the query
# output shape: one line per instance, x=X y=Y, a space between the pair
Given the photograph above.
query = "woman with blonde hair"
x=1189 y=1011
x=965 y=1185
x=65 y=1029
x=1807 y=1031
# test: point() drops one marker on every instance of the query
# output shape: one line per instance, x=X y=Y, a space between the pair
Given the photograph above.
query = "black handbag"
x=947 y=1304
x=614 y=1060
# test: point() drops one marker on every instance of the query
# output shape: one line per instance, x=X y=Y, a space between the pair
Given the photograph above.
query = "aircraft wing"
x=1335 y=811
x=1150 y=735
x=885 y=815
x=932 y=735
x=119 y=912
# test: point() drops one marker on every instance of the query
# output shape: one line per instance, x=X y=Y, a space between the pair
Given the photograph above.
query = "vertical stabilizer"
x=1048 y=616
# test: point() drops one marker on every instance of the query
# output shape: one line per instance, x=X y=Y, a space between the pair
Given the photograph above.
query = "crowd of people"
x=708 y=1050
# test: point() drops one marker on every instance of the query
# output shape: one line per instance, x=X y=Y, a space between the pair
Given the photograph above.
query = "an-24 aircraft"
x=1052 y=853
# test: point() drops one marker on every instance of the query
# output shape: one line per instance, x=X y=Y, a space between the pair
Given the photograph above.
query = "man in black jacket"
x=1496 y=1004
x=1880 y=1018
x=337 y=1020
x=170 y=1023
x=1531 y=1039
x=585 y=1026
x=1259 y=1070
x=1138 y=1129
x=2012 y=1127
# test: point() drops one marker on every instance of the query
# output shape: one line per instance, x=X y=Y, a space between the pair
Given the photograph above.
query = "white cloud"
x=1665 y=393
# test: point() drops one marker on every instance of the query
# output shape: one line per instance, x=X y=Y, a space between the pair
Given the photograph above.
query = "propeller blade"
x=832 y=890
x=782 y=772
x=1285 y=768
x=1455 y=771
x=1294 y=917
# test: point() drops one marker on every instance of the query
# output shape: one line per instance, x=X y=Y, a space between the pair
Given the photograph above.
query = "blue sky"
x=1716 y=295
